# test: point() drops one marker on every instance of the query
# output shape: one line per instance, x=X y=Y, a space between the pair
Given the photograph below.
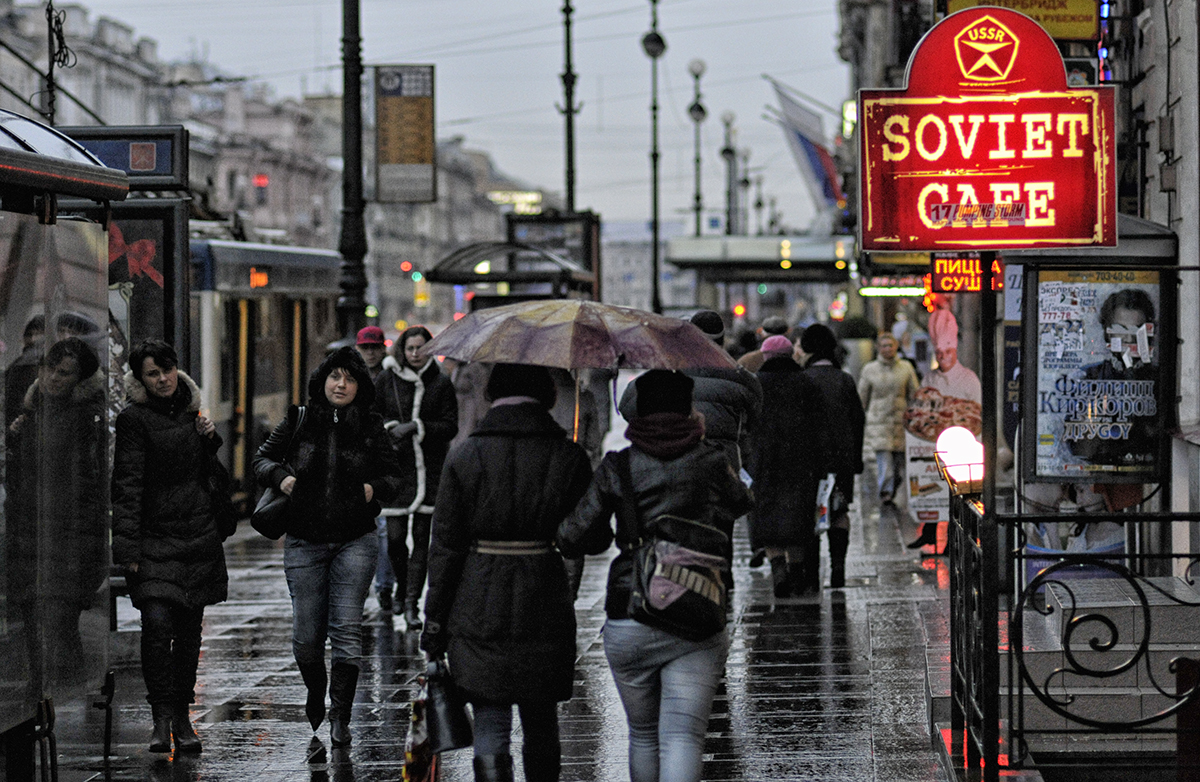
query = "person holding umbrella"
x=499 y=602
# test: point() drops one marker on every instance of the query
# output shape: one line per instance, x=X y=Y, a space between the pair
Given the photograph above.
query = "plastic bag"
x=825 y=489
x=420 y=764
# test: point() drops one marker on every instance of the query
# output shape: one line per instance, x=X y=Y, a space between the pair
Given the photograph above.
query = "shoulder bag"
x=678 y=568
x=270 y=514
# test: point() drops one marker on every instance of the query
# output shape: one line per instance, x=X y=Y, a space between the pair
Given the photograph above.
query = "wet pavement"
x=826 y=688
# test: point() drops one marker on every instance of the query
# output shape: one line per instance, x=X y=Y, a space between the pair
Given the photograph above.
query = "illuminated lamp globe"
x=961 y=454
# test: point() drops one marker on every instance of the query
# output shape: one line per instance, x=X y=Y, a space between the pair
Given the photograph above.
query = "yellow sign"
x=405 y=147
x=421 y=293
x=1065 y=20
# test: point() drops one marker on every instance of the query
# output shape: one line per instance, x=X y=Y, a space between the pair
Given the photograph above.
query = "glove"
x=399 y=430
x=433 y=640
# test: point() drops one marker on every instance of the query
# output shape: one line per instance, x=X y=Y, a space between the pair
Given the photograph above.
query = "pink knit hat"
x=777 y=345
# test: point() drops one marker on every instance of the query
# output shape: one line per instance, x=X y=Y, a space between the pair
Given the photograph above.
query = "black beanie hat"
x=663 y=391
x=711 y=324
x=521 y=380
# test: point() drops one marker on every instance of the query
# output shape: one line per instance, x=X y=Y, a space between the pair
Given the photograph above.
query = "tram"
x=261 y=317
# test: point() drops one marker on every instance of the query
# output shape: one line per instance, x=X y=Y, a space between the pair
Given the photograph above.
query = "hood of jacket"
x=138 y=395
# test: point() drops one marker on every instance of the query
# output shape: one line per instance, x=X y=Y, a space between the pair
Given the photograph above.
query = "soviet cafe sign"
x=986 y=147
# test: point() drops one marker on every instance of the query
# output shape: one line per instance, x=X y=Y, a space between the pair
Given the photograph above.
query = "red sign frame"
x=986 y=147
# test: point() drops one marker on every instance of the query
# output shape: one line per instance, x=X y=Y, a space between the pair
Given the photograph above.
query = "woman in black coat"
x=498 y=599
x=336 y=467
x=420 y=413
x=834 y=417
x=57 y=505
x=781 y=465
x=165 y=534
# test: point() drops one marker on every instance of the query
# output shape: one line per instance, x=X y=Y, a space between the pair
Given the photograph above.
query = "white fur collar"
x=406 y=372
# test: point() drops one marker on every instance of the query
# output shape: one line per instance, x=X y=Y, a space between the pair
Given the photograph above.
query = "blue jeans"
x=667 y=686
x=889 y=469
x=329 y=584
x=385 y=579
x=493 y=728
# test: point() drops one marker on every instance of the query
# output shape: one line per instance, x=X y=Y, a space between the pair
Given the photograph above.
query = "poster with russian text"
x=1099 y=381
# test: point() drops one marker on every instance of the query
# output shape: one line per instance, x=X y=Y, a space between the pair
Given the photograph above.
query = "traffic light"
x=739 y=310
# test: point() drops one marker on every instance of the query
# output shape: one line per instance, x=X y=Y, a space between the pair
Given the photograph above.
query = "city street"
x=829 y=688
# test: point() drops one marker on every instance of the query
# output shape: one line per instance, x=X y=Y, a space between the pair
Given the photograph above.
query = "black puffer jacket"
x=833 y=414
x=730 y=401
x=428 y=398
x=699 y=484
x=507 y=620
x=161 y=514
x=336 y=451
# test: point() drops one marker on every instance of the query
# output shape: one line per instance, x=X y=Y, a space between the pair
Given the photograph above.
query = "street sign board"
x=1064 y=20
x=155 y=157
x=986 y=147
x=405 y=145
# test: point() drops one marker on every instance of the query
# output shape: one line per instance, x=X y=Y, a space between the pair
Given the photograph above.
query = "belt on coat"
x=511 y=547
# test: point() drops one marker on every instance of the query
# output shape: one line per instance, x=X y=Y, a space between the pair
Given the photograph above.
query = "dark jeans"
x=329 y=583
x=170 y=651
x=409 y=570
x=539 y=723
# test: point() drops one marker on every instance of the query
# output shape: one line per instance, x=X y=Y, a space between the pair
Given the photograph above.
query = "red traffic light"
x=406 y=266
x=261 y=180
x=739 y=310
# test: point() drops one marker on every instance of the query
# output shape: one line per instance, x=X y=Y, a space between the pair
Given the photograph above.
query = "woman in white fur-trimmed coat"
x=420 y=412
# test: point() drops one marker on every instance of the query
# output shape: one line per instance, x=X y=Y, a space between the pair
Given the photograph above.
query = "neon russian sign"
x=986 y=147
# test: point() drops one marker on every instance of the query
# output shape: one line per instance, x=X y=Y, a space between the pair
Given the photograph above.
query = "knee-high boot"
x=315 y=680
x=839 y=541
x=343 y=680
x=494 y=768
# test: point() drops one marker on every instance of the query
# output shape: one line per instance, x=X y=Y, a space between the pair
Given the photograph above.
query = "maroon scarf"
x=666 y=435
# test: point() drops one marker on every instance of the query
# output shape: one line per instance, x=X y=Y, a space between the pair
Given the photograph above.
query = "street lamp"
x=654 y=46
x=730 y=156
x=697 y=113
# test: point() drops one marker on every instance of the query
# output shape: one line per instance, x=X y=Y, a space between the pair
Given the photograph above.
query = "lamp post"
x=570 y=109
x=730 y=156
x=352 y=243
x=654 y=46
x=698 y=113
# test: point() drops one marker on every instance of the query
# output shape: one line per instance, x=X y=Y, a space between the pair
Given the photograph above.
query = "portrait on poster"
x=1099 y=405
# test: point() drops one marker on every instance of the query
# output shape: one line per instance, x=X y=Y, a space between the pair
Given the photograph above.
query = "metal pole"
x=50 y=63
x=654 y=46
x=570 y=109
x=730 y=156
x=353 y=242
x=698 y=114
x=989 y=539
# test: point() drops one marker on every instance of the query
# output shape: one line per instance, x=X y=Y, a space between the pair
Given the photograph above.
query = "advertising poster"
x=1099 y=407
x=949 y=396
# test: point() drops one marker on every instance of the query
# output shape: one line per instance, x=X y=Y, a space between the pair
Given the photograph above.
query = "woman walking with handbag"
x=498 y=601
x=165 y=534
x=666 y=682
x=420 y=412
x=336 y=470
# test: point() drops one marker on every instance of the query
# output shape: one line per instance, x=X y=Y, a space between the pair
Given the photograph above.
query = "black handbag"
x=446 y=716
x=270 y=517
x=219 y=496
x=678 y=569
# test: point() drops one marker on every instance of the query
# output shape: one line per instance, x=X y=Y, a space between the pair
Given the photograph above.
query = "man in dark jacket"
x=729 y=399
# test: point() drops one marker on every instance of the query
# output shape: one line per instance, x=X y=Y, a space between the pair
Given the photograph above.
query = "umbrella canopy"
x=574 y=334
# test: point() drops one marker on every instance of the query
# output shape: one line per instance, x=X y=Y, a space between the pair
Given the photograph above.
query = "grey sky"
x=498 y=68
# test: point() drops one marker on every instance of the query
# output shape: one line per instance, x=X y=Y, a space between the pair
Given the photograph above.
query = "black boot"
x=385 y=600
x=160 y=738
x=493 y=768
x=928 y=536
x=342 y=682
x=315 y=680
x=839 y=541
x=811 y=550
x=779 y=576
x=412 y=617
x=541 y=766
x=186 y=739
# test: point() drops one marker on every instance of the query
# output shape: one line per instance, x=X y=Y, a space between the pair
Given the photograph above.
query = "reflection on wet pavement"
x=823 y=688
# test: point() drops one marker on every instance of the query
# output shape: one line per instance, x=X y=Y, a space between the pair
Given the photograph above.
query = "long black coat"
x=782 y=458
x=162 y=518
x=507 y=620
x=834 y=413
x=429 y=399
x=331 y=457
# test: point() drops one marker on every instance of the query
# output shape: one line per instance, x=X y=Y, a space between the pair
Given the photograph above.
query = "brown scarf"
x=666 y=435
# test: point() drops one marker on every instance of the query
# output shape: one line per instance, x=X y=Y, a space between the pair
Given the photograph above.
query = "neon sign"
x=987 y=147
x=964 y=273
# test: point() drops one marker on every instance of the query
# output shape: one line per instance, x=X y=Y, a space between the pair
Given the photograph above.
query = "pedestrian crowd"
x=367 y=465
